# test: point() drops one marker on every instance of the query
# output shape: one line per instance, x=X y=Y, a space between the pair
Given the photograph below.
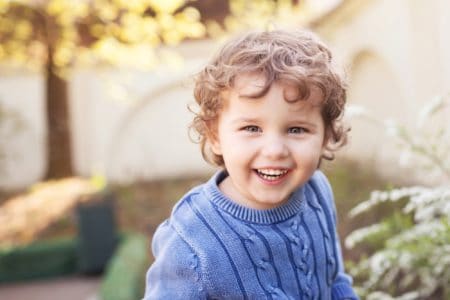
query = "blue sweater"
x=213 y=248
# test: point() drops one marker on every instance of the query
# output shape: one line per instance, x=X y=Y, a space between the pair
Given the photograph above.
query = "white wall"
x=397 y=57
x=145 y=137
x=397 y=53
x=133 y=125
x=22 y=132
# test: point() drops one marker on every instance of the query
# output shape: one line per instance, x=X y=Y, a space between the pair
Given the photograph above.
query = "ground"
x=67 y=288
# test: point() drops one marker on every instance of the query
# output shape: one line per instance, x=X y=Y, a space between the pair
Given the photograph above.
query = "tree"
x=52 y=36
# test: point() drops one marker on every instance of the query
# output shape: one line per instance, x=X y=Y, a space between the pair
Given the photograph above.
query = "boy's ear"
x=213 y=139
x=326 y=138
x=325 y=144
x=215 y=145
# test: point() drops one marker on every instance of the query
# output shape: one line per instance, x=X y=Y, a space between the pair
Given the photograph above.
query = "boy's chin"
x=269 y=203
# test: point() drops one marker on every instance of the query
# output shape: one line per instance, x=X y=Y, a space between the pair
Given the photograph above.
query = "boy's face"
x=270 y=146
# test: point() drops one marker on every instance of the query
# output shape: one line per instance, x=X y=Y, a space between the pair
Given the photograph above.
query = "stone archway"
x=374 y=86
x=152 y=139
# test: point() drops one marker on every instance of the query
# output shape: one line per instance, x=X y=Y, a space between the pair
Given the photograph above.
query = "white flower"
x=429 y=109
x=392 y=128
x=405 y=159
x=377 y=295
x=361 y=234
x=354 y=111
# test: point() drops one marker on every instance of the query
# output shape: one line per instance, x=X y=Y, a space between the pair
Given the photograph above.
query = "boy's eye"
x=252 y=128
x=297 y=130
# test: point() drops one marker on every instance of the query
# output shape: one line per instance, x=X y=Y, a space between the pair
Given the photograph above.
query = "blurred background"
x=95 y=149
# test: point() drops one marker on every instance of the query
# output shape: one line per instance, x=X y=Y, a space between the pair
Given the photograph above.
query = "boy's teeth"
x=271 y=172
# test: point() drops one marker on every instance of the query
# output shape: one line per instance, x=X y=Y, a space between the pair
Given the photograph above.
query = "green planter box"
x=39 y=260
x=124 y=278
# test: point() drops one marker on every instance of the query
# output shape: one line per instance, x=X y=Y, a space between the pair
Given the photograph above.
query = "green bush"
x=125 y=273
x=39 y=260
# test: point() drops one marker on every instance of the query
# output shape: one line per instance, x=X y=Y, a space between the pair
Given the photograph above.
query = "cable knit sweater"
x=213 y=248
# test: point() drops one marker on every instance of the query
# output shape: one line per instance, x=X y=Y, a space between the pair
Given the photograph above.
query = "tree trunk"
x=59 y=150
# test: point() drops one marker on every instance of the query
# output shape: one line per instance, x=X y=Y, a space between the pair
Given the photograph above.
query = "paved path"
x=65 y=288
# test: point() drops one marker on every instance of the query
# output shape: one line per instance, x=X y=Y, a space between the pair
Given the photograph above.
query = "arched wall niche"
x=151 y=140
x=374 y=87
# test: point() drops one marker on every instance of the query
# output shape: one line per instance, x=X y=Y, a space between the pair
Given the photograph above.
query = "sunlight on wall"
x=373 y=86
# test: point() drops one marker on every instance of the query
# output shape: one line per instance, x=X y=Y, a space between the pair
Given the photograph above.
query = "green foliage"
x=38 y=260
x=412 y=246
x=124 y=278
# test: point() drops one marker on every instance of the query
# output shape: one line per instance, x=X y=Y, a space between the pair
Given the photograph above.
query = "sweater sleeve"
x=175 y=272
x=342 y=285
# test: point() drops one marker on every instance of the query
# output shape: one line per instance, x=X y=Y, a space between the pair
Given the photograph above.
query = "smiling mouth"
x=271 y=174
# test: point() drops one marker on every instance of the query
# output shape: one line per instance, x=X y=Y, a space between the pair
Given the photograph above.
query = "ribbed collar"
x=267 y=216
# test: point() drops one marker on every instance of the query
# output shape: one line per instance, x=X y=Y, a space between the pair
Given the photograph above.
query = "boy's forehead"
x=248 y=83
x=252 y=83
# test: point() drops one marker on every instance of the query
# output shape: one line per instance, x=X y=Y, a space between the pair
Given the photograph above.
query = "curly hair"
x=296 y=56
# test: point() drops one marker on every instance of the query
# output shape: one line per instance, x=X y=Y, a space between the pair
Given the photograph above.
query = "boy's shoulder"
x=182 y=222
x=196 y=199
x=321 y=187
x=184 y=216
x=186 y=198
x=320 y=180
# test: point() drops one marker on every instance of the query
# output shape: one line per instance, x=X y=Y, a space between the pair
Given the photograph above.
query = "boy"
x=264 y=227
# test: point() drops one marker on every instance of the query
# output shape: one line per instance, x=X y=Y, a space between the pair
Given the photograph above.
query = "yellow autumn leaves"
x=124 y=32
x=25 y=216
x=261 y=14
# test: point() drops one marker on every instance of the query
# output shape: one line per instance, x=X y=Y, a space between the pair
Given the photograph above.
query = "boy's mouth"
x=271 y=174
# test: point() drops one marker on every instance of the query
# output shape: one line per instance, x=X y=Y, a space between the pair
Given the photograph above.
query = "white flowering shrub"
x=412 y=257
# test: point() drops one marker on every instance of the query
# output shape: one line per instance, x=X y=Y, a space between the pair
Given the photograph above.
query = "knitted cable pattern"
x=213 y=248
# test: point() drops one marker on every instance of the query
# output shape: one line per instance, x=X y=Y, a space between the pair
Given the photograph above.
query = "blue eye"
x=297 y=130
x=252 y=128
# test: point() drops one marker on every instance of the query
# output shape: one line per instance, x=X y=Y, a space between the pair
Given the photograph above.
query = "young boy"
x=264 y=226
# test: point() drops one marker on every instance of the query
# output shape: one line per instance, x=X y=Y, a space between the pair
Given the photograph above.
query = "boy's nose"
x=275 y=148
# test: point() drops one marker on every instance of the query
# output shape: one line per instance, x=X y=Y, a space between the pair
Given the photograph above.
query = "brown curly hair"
x=297 y=56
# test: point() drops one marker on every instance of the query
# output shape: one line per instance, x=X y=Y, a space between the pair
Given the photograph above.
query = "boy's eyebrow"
x=256 y=120
x=248 y=96
x=309 y=124
x=301 y=122
x=245 y=120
